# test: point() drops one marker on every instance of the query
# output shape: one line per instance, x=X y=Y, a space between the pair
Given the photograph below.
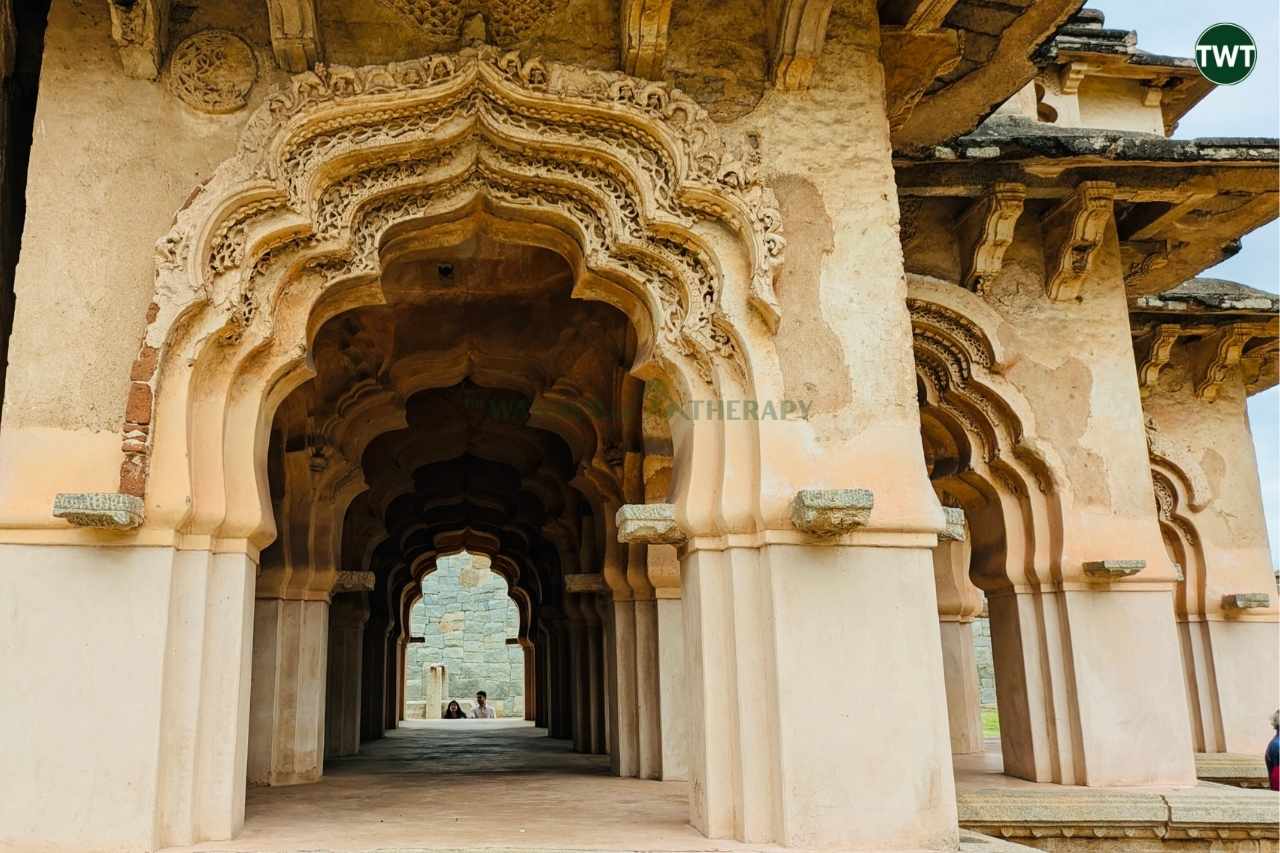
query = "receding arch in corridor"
x=415 y=314
x=986 y=461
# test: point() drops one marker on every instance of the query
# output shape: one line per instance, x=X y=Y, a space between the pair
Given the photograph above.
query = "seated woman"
x=453 y=711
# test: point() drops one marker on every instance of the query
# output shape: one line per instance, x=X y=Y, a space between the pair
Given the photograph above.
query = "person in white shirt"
x=482 y=710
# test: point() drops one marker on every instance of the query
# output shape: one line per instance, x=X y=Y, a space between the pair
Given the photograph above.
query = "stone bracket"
x=648 y=524
x=141 y=32
x=645 y=24
x=1159 y=350
x=985 y=231
x=955 y=525
x=101 y=510
x=1110 y=570
x=1073 y=231
x=295 y=35
x=1246 y=601
x=797 y=30
x=831 y=512
x=355 y=582
x=1227 y=349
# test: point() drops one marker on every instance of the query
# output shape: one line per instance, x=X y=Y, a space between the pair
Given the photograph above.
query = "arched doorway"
x=355 y=192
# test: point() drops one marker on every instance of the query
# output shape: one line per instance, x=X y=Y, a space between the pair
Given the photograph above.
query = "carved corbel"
x=1073 y=231
x=1159 y=349
x=295 y=35
x=986 y=231
x=648 y=524
x=831 y=512
x=141 y=32
x=796 y=30
x=1258 y=366
x=645 y=24
x=1142 y=256
x=1226 y=348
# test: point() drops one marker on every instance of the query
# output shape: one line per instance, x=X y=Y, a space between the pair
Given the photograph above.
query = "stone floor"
x=443 y=785
x=502 y=786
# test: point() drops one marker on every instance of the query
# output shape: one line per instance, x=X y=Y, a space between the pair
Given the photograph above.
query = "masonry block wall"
x=466 y=617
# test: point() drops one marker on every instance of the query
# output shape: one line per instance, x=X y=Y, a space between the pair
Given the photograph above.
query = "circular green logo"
x=1226 y=54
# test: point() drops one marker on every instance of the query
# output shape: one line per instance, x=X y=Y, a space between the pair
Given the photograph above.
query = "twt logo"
x=1226 y=54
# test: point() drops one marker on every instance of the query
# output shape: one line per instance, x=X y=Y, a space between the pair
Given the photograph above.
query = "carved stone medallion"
x=213 y=71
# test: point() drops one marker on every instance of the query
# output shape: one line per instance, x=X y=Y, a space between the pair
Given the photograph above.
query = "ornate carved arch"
x=627 y=179
x=1173 y=495
x=1001 y=467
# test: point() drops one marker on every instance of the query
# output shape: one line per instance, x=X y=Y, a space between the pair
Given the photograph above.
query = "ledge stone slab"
x=1246 y=601
x=830 y=512
x=648 y=524
x=1113 y=569
x=955 y=524
x=102 y=510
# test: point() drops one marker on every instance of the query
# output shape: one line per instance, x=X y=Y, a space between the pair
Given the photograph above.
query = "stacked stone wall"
x=465 y=617
x=986 y=669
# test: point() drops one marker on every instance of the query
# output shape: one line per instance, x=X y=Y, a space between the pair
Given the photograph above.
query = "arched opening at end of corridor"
x=463 y=645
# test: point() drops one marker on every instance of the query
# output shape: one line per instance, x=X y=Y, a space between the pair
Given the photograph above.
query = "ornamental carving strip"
x=629 y=168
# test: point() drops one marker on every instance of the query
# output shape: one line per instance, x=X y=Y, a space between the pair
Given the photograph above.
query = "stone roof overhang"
x=1180 y=205
x=1085 y=48
x=1221 y=324
x=1000 y=49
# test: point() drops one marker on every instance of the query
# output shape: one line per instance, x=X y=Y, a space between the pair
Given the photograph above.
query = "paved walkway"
x=470 y=785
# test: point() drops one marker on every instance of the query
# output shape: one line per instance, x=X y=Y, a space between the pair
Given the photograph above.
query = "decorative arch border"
x=959 y=361
x=626 y=178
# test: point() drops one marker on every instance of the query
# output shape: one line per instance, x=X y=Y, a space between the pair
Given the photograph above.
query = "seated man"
x=482 y=710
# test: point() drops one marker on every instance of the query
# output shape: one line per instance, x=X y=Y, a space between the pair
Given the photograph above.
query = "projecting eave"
x=1181 y=205
x=1022 y=140
x=1220 y=325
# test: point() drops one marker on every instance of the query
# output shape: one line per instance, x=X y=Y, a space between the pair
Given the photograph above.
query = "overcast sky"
x=1247 y=109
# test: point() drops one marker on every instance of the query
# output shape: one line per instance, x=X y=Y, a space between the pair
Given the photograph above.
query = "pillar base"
x=151 y=687
x=817 y=702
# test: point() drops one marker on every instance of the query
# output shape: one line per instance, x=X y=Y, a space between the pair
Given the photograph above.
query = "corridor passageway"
x=462 y=784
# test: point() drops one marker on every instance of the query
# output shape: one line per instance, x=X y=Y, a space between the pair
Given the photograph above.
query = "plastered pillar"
x=960 y=674
x=167 y=677
x=673 y=726
x=672 y=690
x=562 y=710
x=959 y=603
x=625 y=754
x=1209 y=503
x=286 y=723
x=779 y=745
x=347 y=617
x=648 y=695
x=579 y=663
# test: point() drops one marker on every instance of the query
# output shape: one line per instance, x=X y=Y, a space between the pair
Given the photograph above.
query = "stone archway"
x=339 y=174
x=987 y=461
x=627 y=178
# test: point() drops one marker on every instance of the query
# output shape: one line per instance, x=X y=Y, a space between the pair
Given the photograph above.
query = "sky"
x=1250 y=108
